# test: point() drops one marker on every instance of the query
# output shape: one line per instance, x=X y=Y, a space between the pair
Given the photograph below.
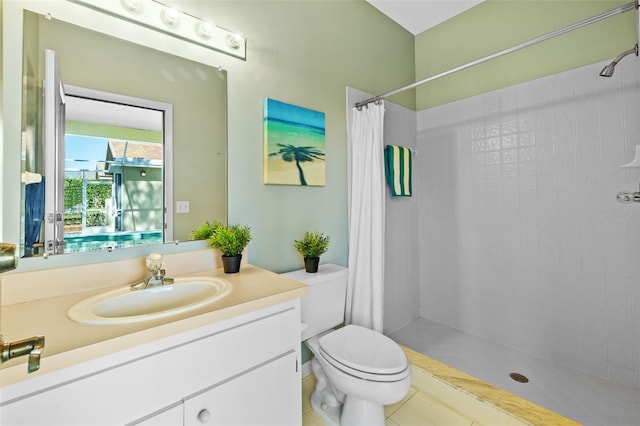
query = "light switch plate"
x=182 y=207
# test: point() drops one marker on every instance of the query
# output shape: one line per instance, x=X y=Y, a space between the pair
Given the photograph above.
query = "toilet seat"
x=364 y=353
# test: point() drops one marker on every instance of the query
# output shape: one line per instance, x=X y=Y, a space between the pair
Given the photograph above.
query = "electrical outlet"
x=182 y=207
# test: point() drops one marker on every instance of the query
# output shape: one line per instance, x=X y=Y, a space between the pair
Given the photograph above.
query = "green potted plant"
x=206 y=230
x=311 y=246
x=231 y=241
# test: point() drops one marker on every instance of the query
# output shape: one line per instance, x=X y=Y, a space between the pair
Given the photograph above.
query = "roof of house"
x=134 y=150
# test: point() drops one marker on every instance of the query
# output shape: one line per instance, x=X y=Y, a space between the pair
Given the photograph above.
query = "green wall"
x=305 y=53
x=496 y=25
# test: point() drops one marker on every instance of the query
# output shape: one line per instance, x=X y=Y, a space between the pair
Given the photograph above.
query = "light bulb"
x=234 y=40
x=171 y=16
x=205 y=28
x=134 y=6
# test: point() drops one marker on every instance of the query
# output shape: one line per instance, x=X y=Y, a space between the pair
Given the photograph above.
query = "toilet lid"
x=364 y=353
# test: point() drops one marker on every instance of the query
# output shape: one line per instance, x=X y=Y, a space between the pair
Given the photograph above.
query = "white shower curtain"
x=365 y=288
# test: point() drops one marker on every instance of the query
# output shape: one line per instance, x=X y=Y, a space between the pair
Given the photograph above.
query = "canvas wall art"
x=294 y=145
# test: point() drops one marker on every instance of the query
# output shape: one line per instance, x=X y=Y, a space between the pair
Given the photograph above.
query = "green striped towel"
x=397 y=169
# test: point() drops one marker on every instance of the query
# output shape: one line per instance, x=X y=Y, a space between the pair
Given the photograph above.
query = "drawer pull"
x=204 y=416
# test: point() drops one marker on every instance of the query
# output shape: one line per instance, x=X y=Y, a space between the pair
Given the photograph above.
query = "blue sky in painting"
x=276 y=110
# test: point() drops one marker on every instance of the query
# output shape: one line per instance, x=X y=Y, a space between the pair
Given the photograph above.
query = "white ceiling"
x=417 y=16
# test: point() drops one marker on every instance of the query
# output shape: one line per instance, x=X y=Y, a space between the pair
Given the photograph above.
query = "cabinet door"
x=266 y=395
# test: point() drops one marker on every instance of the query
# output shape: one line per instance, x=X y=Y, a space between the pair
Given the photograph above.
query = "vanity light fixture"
x=630 y=197
x=170 y=20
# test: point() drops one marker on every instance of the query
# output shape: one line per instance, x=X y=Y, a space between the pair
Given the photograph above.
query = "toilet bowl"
x=358 y=371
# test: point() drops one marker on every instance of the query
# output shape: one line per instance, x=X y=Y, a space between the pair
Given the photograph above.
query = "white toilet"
x=358 y=370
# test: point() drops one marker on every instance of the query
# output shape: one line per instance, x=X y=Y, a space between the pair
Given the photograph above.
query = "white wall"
x=521 y=239
x=401 y=302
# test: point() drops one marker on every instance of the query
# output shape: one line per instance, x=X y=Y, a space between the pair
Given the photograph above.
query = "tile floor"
x=583 y=398
x=415 y=409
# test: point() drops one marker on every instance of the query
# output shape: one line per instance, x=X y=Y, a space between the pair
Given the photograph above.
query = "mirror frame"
x=12 y=39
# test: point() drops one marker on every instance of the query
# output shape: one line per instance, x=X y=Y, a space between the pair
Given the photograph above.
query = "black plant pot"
x=231 y=264
x=311 y=264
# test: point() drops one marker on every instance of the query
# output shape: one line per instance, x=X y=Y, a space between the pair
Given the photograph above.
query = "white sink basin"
x=123 y=305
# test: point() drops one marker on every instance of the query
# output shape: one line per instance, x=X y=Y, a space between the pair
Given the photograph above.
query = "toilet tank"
x=323 y=306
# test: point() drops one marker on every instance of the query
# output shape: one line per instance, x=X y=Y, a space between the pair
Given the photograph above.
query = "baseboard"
x=306 y=369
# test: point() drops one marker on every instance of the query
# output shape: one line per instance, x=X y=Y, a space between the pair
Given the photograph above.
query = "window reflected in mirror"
x=118 y=179
x=113 y=182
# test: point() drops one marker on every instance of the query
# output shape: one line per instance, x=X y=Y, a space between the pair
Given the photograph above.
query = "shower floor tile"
x=586 y=399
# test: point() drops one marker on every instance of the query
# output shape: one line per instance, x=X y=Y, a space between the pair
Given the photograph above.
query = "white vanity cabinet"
x=244 y=370
x=260 y=397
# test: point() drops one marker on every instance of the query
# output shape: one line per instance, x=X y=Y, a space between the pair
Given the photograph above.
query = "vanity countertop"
x=68 y=343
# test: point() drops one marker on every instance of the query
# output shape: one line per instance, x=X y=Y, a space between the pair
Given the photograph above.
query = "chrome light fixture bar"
x=170 y=20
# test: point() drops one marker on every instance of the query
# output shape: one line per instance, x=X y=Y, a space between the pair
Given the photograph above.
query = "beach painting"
x=294 y=145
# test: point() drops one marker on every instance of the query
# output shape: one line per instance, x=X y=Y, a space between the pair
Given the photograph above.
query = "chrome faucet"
x=156 y=276
x=32 y=346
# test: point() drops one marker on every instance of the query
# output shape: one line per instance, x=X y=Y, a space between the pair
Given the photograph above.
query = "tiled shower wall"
x=521 y=239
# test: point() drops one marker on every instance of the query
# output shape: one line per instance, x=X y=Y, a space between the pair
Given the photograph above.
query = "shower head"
x=609 y=69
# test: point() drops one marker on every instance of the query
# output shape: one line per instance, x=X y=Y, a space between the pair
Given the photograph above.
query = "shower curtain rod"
x=620 y=9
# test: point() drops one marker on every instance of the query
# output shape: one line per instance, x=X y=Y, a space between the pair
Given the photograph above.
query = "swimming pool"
x=74 y=243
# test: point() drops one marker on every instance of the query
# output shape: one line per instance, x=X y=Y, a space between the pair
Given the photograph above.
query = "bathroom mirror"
x=143 y=184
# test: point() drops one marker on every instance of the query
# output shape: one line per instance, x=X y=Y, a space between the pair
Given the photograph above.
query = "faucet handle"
x=154 y=262
x=34 y=355
x=32 y=346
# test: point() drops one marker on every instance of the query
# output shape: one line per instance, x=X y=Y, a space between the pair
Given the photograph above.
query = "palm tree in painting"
x=299 y=154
